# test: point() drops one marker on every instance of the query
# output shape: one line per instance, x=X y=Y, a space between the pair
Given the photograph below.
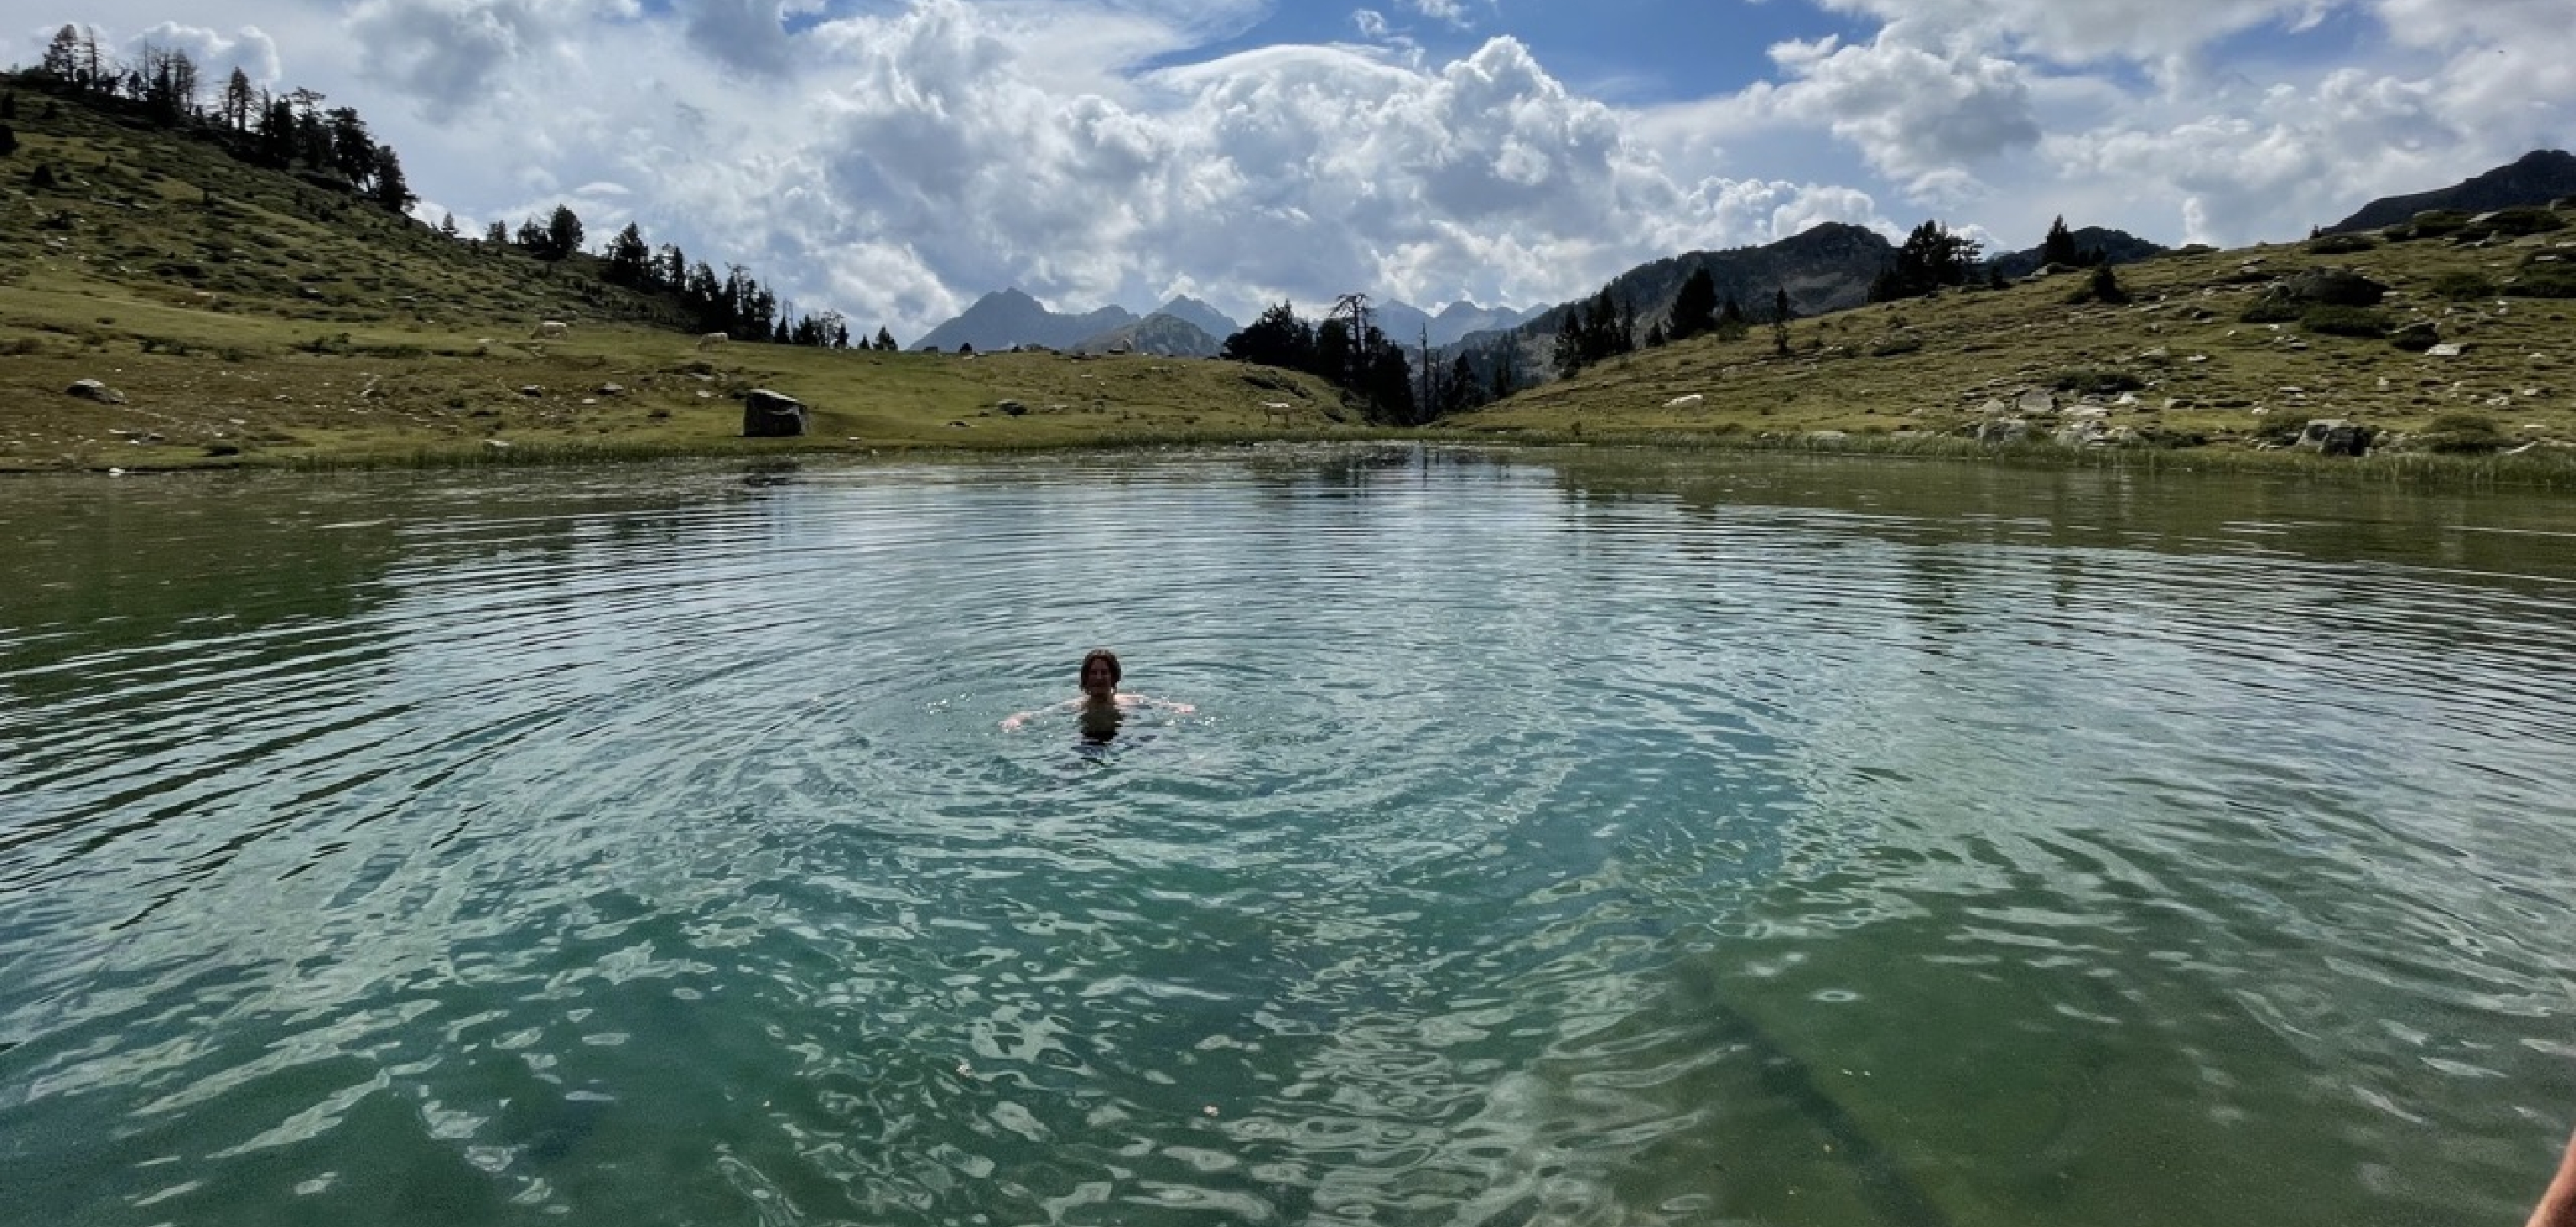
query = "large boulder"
x=91 y=389
x=772 y=415
x=2337 y=287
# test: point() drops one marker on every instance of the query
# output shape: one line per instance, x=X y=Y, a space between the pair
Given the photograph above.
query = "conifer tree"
x=885 y=341
x=2059 y=247
x=1695 y=307
x=8 y=141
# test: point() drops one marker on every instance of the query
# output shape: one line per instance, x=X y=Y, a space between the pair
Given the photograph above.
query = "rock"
x=2340 y=287
x=2128 y=400
x=1011 y=408
x=1995 y=409
x=2334 y=437
x=531 y=391
x=772 y=415
x=610 y=389
x=2038 y=400
x=2417 y=337
x=2446 y=351
x=496 y=445
x=91 y=389
x=2012 y=430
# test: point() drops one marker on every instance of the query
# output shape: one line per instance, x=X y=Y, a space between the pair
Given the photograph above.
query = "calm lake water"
x=1558 y=839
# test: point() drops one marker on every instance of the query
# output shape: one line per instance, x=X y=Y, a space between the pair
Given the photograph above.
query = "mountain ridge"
x=2536 y=178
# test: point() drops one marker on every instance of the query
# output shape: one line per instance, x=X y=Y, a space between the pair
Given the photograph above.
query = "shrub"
x=2345 y=321
x=2545 y=281
x=2103 y=286
x=2461 y=434
x=2462 y=285
x=2341 y=244
x=2094 y=382
x=2437 y=223
x=2270 y=310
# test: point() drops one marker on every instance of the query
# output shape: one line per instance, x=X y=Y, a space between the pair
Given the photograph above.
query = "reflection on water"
x=1559 y=838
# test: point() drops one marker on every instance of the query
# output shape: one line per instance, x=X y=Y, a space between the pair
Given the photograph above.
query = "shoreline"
x=2548 y=471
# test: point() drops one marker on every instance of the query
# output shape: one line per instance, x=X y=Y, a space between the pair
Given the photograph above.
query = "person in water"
x=1100 y=705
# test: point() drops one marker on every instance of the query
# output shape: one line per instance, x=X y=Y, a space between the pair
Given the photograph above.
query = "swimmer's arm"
x=2558 y=1206
x=1016 y=719
x=1144 y=700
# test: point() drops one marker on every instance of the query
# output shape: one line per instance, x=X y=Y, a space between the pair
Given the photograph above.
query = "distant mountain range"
x=2536 y=178
x=1161 y=334
x=1182 y=328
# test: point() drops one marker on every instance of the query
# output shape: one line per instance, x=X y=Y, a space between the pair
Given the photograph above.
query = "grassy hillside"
x=1935 y=369
x=250 y=316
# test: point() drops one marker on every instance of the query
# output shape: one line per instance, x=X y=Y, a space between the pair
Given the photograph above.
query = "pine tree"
x=1780 y=313
x=629 y=260
x=390 y=191
x=447 y=225
x=62 y=59
x=9 y=105
x=238 y=101
x=562 y=234
x=2059 y=247
x=1695 y=307
x=8 y=141
x=885 y=341
x=497 y=235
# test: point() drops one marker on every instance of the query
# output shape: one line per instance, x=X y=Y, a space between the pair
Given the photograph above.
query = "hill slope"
x=2116 y=246
x=2536 y=178
x=2031 y=362
x=1165 y=336
x=1827 y=268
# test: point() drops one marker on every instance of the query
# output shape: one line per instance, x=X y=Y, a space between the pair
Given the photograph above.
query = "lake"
x=1558 y=837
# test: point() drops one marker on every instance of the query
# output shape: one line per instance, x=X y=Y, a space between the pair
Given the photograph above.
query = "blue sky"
x=896 y=159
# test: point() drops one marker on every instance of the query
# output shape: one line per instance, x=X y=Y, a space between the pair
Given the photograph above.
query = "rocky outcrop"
x=772 y=415
x=2337 y=287
x=91 y=389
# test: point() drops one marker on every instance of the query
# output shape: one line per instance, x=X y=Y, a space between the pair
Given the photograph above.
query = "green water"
x=1557 y=839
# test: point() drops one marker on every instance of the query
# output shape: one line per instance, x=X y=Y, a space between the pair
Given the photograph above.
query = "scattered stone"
x=2197 y=358
x=610 y=389
x=1011 y=408
x=1995 y=409
x=496 y=445
x=532 y=391
x=91 y=389
x=2446 y=351
x=772 y=415
x=2038 y=400
x=2417 y=337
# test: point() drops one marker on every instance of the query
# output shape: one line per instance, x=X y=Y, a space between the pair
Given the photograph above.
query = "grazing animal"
x=1278 y=410
x=550 y=329
x=712 y=339
x=1684 y=402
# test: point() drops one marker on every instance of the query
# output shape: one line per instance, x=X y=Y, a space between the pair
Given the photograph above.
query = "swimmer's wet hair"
x=1115 y=672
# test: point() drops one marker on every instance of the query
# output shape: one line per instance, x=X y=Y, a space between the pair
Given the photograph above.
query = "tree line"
x=1346 y=349
x=282 y=132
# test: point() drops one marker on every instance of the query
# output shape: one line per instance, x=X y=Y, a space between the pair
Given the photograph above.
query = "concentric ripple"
x=1556 y=839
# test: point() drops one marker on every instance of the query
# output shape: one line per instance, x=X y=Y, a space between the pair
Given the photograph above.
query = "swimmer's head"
x=1100 y=672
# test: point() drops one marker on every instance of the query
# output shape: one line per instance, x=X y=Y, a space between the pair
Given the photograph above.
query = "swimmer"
x=2558 y=1206
x=1100 y=705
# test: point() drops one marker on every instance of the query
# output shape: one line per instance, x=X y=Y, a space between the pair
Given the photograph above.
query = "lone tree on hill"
x=1780 y=312
x=1695 y=307
x=885 y=341
x=8 y=141
x=9 y=105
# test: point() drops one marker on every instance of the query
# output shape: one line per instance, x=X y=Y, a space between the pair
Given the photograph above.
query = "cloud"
x=2077 y=31
x=1921 y=114
x=215 y=55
